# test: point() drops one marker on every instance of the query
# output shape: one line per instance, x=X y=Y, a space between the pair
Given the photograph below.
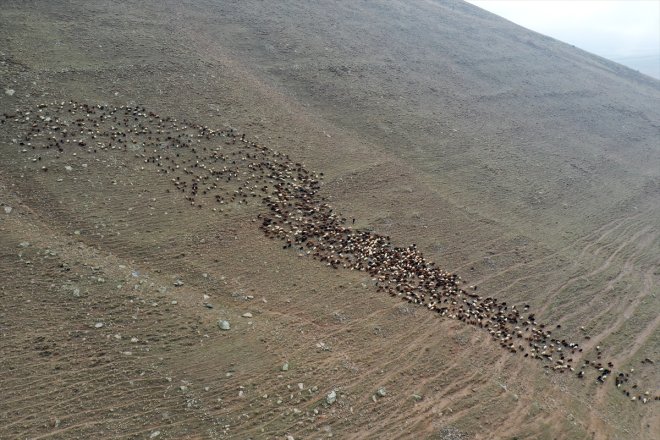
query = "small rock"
x=285 y=366
x=98 y=325
x=224 y=325
x=175 y=302
x=381 y=392
x=417 y=397
x=134 y=339
x=10 y=92
x=154 y=434
x=178 y=283
x=68 y=168
x=8 y=209
x=289 y=437
x=24 y=244
x=331 y=397
x=208 y=305
x=247 y=315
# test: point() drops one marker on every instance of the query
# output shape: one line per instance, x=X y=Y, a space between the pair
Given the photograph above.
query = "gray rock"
x=247 y=315
x=331 y=397
x=381 y=392
x=285 y=366
x=8 y=209
x=224 y=325
x=10 y=92
x=178 y=283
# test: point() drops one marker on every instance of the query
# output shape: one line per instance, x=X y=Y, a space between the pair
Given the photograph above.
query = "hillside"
x=529 y=168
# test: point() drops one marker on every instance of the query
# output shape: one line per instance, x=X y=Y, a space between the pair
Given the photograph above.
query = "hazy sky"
x=626 y=31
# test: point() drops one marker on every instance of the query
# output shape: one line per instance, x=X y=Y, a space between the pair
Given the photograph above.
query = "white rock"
x=154 y=434
x=8 y=209
x=247 y=315
x=10 y=92
x=99 y=325
x=224 y=325
x=331 y=397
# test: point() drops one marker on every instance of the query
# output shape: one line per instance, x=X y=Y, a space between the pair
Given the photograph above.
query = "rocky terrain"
x=142 y=300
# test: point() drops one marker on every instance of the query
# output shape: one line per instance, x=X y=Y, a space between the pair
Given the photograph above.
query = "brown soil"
x=529 y=167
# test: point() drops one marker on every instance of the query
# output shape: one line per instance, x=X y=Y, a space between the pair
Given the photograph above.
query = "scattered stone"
x=331 y=397
x=416 y=397
x=178 y=283
x=285 y=366
x=224 y=325
x=154 y=434
x=8 y=209
x=208 y=305
x=381 y=392
x=98 y=325
x=68 y=168
x=247 y=315
x=10 y=92
x=24 y=244
x=175 y=302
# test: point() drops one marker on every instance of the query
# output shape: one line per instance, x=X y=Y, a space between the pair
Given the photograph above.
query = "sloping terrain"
x=528 y=167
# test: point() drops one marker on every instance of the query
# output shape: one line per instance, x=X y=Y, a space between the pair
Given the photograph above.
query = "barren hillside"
x=525 y=166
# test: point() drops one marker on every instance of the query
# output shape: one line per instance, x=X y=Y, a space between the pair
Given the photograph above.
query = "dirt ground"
x=529 y=167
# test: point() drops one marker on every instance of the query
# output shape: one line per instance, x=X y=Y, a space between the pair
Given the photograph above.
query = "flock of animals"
x=223 y=170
